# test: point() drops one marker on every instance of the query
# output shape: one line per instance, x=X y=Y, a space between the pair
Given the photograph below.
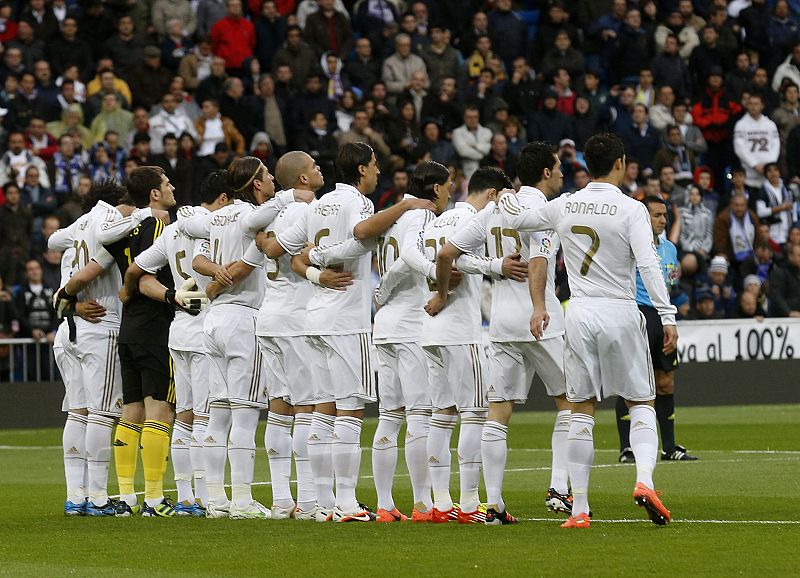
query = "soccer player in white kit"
x=69 y=366
x=238 y=391
x=606 y=235
x=96 y=278
x=403 y=387
x=455 y=356
x=516 y=353
x=338 y=325
x=280 y=331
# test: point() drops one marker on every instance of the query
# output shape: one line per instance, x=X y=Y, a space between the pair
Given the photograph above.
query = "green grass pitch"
x=735 y=513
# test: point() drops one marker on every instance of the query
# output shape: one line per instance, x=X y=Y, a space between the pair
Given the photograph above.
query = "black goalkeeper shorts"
x=147 y=371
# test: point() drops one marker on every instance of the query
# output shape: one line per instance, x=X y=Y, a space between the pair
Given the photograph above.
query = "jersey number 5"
x=595 y=238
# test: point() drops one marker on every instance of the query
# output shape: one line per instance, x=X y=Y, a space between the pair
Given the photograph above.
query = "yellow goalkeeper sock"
x=155 y=449
x=126 y=453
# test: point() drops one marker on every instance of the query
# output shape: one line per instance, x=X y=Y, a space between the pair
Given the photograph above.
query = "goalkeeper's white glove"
x=187 y=298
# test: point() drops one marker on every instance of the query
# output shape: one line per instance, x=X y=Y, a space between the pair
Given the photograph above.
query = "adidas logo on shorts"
x=433 y=460
x=72 y=451
x=383 y=441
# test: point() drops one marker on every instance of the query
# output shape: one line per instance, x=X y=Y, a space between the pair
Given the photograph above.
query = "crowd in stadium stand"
x=704 y=93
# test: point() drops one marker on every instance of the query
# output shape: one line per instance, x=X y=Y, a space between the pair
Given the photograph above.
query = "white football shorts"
x=232 y=346
x=287 y=372
x=457 y=375
x=607 y=351
x=342 y=370
x=513 y=364
x=191 y=381
x=96 y=345
x=402 y=377
x=69 y=365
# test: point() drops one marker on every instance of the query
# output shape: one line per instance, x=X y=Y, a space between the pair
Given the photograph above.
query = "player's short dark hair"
x=350 y=157
x=213 y=186
x=141 y=181
x=533 y=160
x=488 y=178
x=652 y=199
x=241 y=174
x=108 y=190
x=601 y=152
x=757 y=95
x=425 y=176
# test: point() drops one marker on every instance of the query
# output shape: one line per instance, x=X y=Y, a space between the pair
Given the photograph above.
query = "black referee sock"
x=665 y=414
x=623 y=424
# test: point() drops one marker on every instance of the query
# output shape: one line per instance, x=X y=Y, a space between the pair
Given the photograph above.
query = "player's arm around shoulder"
x=518 y=217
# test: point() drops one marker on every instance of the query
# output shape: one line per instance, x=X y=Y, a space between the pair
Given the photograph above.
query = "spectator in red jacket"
x=39 y=141
x=715 y=114
x=8 y=28
x=233 y=37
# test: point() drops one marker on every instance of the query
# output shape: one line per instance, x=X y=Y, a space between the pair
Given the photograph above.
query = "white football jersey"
x=283 y=312
x=329 y=225
x=544 y=244
x=460 y=322
x=401 y=318
x=175 y=249
x=230 y=231
x=67 y=257
x=105 y=288
x=606 y=235
x=511 y=300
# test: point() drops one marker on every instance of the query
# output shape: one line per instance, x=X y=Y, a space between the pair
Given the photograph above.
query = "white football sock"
x=644 y=442
x=559 y=471
x=384 y=456
x=346 y=455
x=278 y=443
x=320 y=441
x=442 y=426
x=74 y=444
x=242 y=452
x=98 y=455
x=198 y=460
x=580 y=454
x=469 y=459
x=494 y=452
x=215 y=450
x=306 y=491
x=182 y=460
x=418 y=424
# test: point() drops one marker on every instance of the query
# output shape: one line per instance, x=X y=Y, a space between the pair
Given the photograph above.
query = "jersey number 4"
x=590 y=253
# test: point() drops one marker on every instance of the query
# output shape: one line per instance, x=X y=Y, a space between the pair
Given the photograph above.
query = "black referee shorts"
x=147 y=371
x=655 y=338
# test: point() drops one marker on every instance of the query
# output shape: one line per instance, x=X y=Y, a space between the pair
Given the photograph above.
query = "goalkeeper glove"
x=187 y=298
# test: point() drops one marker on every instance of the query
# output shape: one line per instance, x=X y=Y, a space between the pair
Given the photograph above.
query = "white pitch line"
x=542 y=450
x=21 y=448
x=676 y=521
x=519 y=470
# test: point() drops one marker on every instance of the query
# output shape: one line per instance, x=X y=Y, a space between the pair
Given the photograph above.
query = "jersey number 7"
x=595 y=238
